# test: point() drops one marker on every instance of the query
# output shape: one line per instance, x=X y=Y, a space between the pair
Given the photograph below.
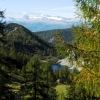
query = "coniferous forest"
x=61 y=64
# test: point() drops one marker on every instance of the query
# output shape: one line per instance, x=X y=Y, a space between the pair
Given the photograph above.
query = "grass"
x=62 y=91
x=14 y=87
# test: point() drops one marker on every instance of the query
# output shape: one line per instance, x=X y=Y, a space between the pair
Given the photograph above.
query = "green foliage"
x=90 y=10
x=18 y=80
x=86 y=84
x=66 y=34
x=62 y=92
x=2 y=24
x=22 y=40
x=61 y=46
x=38 y=73
x=87 y=39
x=33 y=56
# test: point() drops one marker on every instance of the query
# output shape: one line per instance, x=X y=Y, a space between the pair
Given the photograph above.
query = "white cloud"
x=36 y=17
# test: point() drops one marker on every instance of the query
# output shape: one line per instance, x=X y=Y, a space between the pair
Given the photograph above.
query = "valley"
x=30 y=61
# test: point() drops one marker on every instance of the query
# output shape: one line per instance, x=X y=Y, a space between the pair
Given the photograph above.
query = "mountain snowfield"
x=37 y=23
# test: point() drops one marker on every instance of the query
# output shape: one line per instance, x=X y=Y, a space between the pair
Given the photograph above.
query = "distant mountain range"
x=43 y=22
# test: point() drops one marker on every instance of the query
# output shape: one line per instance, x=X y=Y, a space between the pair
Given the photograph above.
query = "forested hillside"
x=50 y=35
x=61 y=64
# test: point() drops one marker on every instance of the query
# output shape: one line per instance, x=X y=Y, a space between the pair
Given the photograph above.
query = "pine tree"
x=38 y=73
x=2 y=24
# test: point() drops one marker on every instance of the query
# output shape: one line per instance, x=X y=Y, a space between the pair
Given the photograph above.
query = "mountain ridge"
x=67 y=35
x=21 y=44
x=43 y=22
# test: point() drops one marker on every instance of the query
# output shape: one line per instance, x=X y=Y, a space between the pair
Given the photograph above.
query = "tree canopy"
x=90 y=10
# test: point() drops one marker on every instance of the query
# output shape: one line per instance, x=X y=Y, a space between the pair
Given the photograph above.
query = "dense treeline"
x=88 y=39
x=26 y=61
x=21 y=74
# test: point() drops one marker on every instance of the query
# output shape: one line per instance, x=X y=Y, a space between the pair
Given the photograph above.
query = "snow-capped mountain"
x=43 y=22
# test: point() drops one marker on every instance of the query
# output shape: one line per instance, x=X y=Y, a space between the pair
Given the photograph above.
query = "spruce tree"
x=2 y=23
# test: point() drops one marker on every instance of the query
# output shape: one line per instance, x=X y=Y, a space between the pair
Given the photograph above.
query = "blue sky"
x=64 y=8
